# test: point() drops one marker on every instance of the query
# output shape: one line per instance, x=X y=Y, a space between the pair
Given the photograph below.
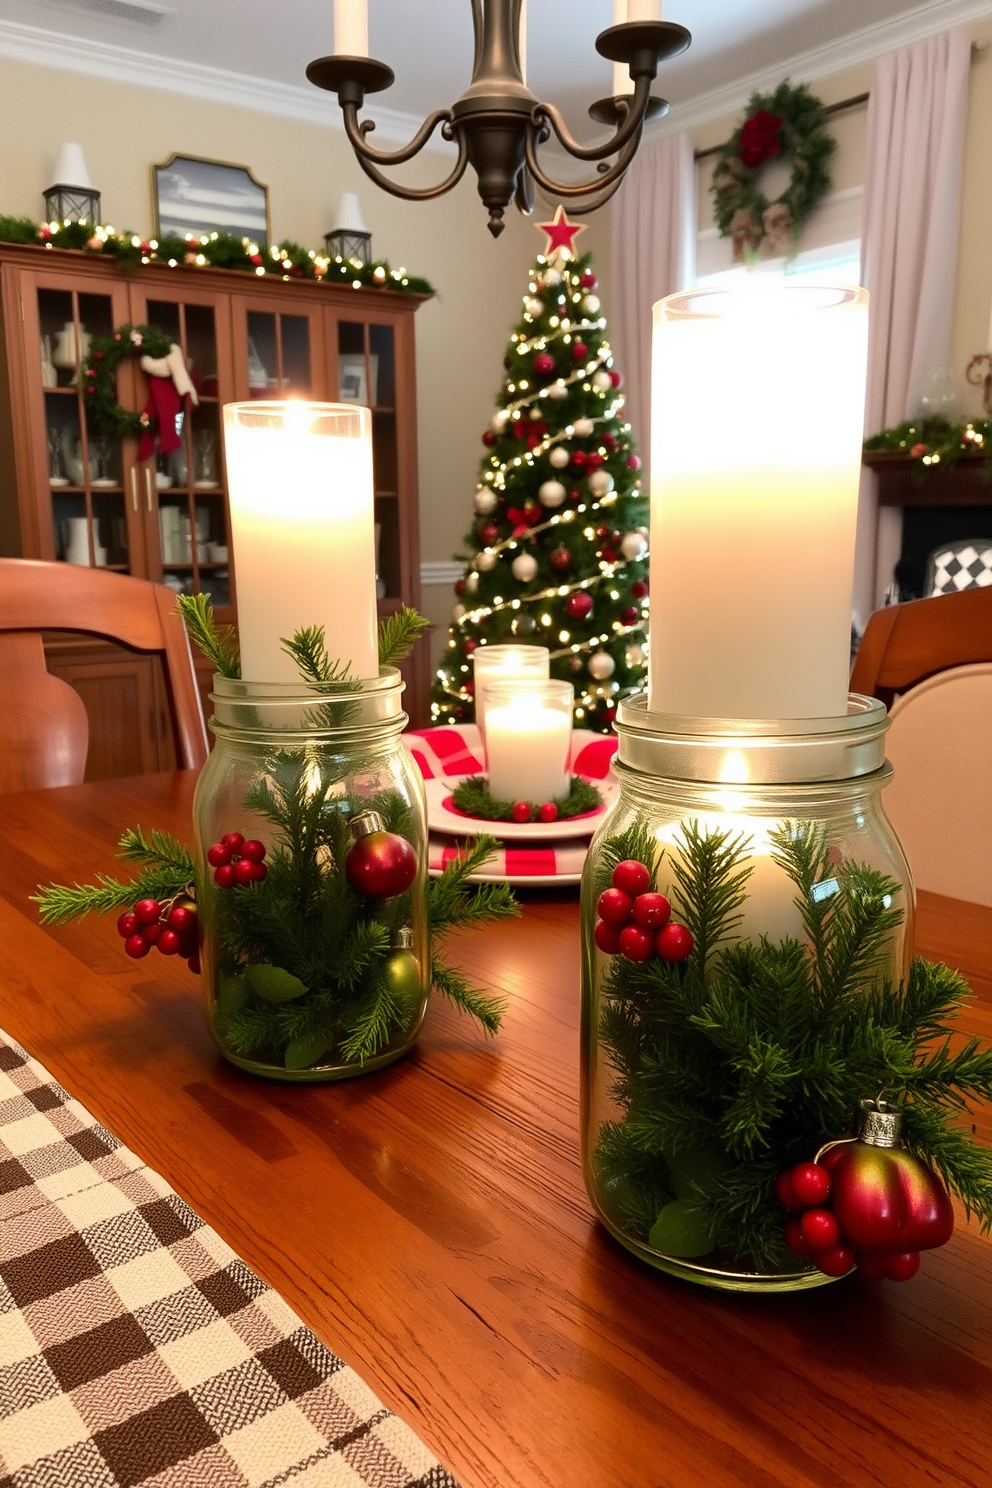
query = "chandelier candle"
x=758 y=411
x=506 y=664
x=303 y=527
x=351 y=28
x=528 y=739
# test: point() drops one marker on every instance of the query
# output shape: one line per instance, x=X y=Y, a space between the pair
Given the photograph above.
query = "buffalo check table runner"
x=136 y=1348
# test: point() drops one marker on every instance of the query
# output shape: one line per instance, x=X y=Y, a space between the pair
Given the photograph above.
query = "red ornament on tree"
x=633 y=462
x=588 y=280
x=488 y=533
x=579 y=605
x=595 y=460
x=630 y=616
x=616 y=379
x=610 y=441
x=379 y=864
x=608 y=554
x=639 y=588
x=489 y=438
x=544 y=363
x=579 y=351
x=579 y=459
x=560 y=560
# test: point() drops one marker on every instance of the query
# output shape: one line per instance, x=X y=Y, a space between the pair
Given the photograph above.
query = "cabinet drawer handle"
x=148 y=485
x=134 y=489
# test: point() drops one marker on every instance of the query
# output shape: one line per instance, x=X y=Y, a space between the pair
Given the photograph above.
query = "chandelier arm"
x=583 y=208
x=357 y=131
x=612 y=177
x=546 y=113
x=367 y=158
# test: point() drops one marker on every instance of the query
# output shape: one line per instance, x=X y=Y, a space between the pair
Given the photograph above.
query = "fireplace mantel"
x=905 y=482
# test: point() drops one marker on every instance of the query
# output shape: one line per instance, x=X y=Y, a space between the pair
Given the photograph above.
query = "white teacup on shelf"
x=217 y=552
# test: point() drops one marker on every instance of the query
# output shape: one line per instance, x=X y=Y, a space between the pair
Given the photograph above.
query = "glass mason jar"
x=319 y=967
x=667 y=1088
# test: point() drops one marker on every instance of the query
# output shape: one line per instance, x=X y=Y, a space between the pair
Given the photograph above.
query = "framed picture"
x=352 y=386
x=201 y=196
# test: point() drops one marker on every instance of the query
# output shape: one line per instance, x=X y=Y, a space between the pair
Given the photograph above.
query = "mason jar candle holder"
x=312 y=843
x=506 y=664
x=767 y=837
x=528 y=739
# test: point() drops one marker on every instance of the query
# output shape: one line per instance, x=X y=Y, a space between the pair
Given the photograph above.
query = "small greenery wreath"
x=471 y=796
x=105 y=355
x=790 y=124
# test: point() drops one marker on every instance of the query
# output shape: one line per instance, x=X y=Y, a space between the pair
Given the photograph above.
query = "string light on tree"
x=557 y=554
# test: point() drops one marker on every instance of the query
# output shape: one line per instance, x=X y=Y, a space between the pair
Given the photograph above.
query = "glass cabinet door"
x=91 y=479
x=185 y=490
x=367 y=374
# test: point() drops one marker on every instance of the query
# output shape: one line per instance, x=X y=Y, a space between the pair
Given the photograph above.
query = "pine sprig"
x=452 y=902
x=398 y=634
x=219 y=643
x=158 y=848
x=487 y=1011
x=307 y=648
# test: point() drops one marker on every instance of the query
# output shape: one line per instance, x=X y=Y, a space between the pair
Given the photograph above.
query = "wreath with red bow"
x=167 y=388
x=789 y=124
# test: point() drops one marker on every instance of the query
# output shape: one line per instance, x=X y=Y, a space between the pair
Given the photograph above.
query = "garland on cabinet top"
x=935 y=442
x=558 y=551
x=285 y=260
x=789 y=124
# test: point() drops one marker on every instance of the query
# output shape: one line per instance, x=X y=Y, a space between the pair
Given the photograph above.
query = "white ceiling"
x=428 y=42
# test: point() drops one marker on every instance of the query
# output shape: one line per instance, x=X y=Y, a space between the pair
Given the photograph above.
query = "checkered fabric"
x=964 y=566
x=136 y=1348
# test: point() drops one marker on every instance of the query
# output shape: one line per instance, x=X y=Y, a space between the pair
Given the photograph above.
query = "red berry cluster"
x=173 y=927
x=523 y=811
x=813 y=1230
x=636 y=922
x=236 y=861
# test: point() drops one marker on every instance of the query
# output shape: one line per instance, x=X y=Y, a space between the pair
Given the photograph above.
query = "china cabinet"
x=73 y=494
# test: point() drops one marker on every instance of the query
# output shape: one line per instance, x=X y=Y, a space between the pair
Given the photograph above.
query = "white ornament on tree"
x=534 y=308
x=600 y=482
x=557 y=391
x=633 y=546
x=591 y=304
x=457 y=612
x=524 y=567
x=485 y=501
x=499 y=420
x=583 y=427
x=602 y=381
x=485 y=560
x=635 y=655
x=471 y=582
x=551 y=278
x=559 y=457
x=601 y=665
x=552 y=493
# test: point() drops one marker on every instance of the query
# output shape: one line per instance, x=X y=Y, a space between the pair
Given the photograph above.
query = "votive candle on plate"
x=528 y=739
x=302 y=523
x=757 y=421
x=506 y=664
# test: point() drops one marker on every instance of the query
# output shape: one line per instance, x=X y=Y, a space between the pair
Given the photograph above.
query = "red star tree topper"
x=561 y=236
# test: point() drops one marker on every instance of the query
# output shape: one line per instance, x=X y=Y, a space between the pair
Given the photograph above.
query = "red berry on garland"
x=169 y=942
x=224 y=876
x=379 y=864
x=544 y=363
x=489 y=438
x=902 y=1267
x=631 y=877
x=233 y=840
x=810 y=1183
x=636 y=944
x=794 y=1237
x=579 y=350
x=181 y=918
x=521 y=811
x=674 y=943
x=820 y=1229
x=639 y=588
x=243 y=870
x=218 y=855
x=253 y=850
x=784 y=1194
x=147 y=911
x=127 y=924
x=137 y=946
x=630 y=616
x=193 y=962
x=258 y=872
x=607 y=937
x=579 y=605
x=652 y=911
x=615 y=907
x=547 y=812
x=834 y=1262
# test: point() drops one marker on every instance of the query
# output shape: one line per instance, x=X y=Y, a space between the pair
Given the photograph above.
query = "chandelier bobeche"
x=498 y=123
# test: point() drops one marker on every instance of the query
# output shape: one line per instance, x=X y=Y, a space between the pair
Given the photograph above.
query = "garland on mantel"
x=286 y=260
x=934 y=442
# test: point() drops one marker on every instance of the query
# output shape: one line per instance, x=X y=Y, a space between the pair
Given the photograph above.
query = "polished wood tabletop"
x=430 y=1223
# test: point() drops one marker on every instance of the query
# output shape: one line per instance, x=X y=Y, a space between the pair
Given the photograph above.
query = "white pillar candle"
x=758 y=407
x=351 y=28
x=528 y=740
x=622 y=80
x=506 y=664
x=770 y=904
x=522 y=41
x=302 y=524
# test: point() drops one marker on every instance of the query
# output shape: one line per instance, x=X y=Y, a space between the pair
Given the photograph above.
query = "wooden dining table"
x=429 y=1222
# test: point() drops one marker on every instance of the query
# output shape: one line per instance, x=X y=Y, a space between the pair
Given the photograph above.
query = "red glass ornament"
x=616 y=379
x=258 y=872
x=615 y=907
x=460 y=587
x=607 y=938
x=547 y=811
x=633 y=462
x=652 y=911
x=674 y=943
x=579 y=350
x=579 y=605
x=489 y=438
x=521 y=811
x=381 y=865
x=579 y=458
x=470 y=646
x=636 y=944
x=639 y=588
x=488 y=533
x=595 y=460
x=631 y=877
x=630 y=616
x=886 y=1198
x=602 y=531
x=608 y=554
x=560 y=559
x=544 y=363
x=588 y=279
x=609 y=714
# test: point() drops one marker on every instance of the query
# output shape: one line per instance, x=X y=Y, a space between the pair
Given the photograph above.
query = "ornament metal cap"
x=879 y=1123
x=365 y=823
x=403 y=939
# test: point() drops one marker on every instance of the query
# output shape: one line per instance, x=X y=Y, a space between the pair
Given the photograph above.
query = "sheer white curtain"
x=653 y=254
x=912 y=210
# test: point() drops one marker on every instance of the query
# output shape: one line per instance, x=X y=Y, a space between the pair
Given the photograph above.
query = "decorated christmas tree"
x=558 y=547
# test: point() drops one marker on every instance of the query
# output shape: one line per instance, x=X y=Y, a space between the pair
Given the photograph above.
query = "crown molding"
x=99 y=59
x=836 y=56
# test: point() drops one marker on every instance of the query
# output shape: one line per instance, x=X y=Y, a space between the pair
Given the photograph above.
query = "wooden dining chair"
x=905 y=643
x=43 y=725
